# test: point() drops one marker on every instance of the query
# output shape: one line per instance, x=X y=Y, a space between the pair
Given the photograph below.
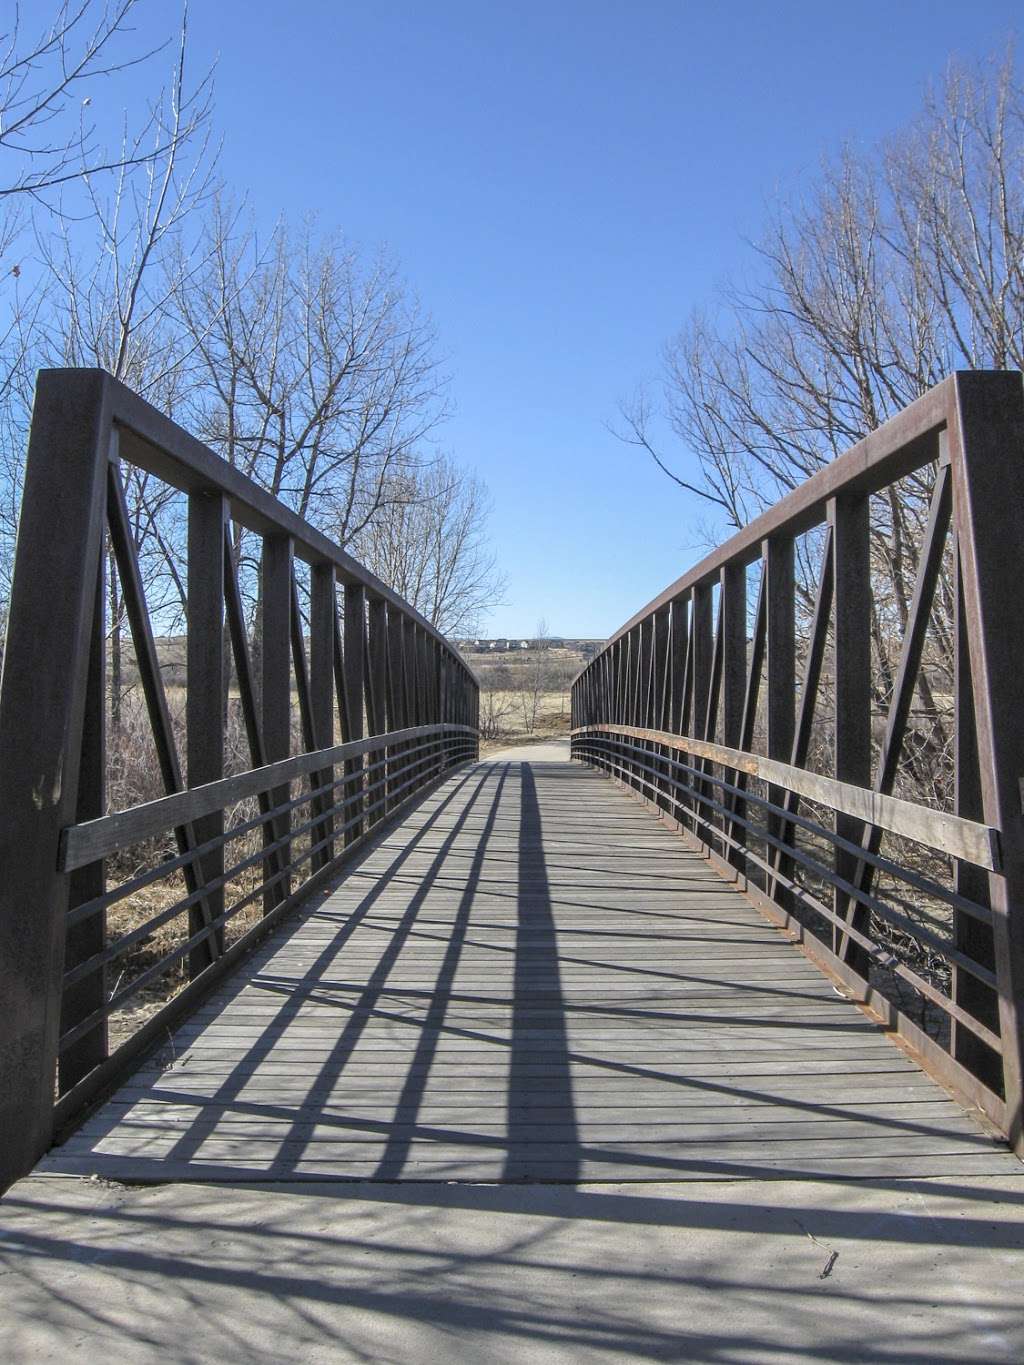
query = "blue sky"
x=561 y=183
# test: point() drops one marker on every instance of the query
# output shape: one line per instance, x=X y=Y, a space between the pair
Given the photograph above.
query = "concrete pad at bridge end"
x=738 y=1271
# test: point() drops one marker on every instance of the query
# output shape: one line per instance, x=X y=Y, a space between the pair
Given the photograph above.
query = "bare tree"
x=314 y=371
x=428 y=542
x=111 y=307
x=899 y=265
x=48 y=134
x=498 y=701
x=535 y=678
x=78 y=306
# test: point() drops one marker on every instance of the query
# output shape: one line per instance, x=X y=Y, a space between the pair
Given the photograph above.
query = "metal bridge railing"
x=799 y=786
x=348 y=704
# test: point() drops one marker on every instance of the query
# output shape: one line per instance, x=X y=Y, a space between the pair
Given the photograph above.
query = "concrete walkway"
x=919 y=1271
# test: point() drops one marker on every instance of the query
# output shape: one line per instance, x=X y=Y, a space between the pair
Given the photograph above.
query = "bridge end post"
x=42 y=714
x=987 y=457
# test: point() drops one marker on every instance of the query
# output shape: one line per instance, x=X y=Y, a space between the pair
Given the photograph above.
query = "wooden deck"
x=530 y=978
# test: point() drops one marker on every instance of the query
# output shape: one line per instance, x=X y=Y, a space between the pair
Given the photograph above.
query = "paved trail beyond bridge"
x=529 y=978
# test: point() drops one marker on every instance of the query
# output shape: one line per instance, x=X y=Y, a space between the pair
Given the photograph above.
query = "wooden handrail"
x=936 y=829
x=85 y=843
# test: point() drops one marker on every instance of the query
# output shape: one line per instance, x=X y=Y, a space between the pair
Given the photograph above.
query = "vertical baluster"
x=703 y=646
x=780 y=676
x=733 y=588
x=321 y=687
x=276 y=699
x=848 y=517
x=41 y=737
x=378 y=661
x=205 y=701
x=396 y=693
x=969 y=935
x=354 y=669
x=987 y=422
x=663 y=651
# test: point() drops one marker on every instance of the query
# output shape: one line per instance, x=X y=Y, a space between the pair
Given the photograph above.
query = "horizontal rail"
x=85 y=843
x=981 y=913
x=117 y=947
x=936 y=829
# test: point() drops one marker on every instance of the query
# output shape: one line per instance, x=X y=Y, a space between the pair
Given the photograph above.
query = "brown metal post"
x=848 y=517
x=355 y=611
x=204 y=705
x=42 y=709
x=986 y=442
x=780 y=676
x=321 y=693
x=276 y=694
x=378 y=663
x=734 y=679
x=83 y=998
x=970 y=936
x=660 y=694
x=680 y=648
x=702 y=645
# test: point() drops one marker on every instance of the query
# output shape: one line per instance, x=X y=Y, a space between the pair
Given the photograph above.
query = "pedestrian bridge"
x=725 y=930
x=528 y=978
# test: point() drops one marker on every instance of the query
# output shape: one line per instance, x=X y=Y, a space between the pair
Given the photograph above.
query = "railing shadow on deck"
x=535 y=982
x=541 y=1137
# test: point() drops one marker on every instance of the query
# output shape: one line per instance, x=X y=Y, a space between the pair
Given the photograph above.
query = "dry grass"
x=552 y=721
